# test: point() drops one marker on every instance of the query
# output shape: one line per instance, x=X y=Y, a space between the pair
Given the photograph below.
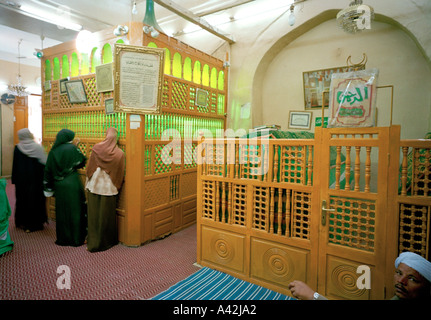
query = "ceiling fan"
x=7 y=98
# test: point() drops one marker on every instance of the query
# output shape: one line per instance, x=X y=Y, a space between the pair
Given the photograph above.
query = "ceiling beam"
x=190 y=16
x=226 y=7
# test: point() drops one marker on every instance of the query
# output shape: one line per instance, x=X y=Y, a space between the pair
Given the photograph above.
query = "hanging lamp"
x=351 y=18
x=18 y=89
x=150 y=16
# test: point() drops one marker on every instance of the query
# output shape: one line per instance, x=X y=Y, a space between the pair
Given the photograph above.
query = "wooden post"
x=134 y=184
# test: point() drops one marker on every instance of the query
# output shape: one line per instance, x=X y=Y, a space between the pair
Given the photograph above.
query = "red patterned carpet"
x=29 y=271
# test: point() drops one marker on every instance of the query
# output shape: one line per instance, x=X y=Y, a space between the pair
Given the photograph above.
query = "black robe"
x=30 y=206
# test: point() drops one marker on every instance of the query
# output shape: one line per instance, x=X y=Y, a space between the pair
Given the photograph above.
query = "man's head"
x=412 y=277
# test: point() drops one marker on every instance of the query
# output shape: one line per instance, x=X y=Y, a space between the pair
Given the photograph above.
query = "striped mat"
x=209 y=284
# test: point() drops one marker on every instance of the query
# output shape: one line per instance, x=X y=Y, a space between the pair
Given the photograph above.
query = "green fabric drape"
x=6 y=244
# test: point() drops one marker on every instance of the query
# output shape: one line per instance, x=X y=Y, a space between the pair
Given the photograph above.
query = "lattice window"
x=422 y=172
x=192 y=98
x=253 y=160
x=189 y=159
x=93 y=97
x=353 y=223
x=179 y=95
x=239 y=205
x=83 y=148
x=215 y=157
x=414 y=229
x=208 y=199
x=161 y=159
x=292 y=164
x=301 y=214
x=165 y=93
x=261 y=197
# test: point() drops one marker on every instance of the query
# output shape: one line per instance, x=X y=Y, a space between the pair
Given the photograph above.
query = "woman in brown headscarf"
x=105 y=174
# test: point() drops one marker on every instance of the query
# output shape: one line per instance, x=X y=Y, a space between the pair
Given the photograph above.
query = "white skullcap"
x=416 y=262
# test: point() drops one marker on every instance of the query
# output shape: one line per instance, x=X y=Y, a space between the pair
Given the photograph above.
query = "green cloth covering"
x=278 y=134
x=6 y=244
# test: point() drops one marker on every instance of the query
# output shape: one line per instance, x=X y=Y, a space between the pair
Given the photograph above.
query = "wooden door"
x=353 y=213
x=20 y=116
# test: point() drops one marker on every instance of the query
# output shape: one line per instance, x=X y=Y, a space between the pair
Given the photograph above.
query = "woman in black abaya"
x=28 y=166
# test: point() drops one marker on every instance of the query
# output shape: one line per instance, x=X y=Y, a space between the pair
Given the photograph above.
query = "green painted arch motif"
x=175 y=65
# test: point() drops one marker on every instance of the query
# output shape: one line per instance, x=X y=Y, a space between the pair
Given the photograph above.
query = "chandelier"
x=356 y=17
x=18 y=89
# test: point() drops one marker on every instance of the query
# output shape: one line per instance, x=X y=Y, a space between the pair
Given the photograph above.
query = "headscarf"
x=63 y=159
x=109 y=157
x=29 y=147
x=63 y=136
x=416 y=262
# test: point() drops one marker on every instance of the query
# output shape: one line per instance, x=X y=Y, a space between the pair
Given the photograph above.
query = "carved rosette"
x=278 y=263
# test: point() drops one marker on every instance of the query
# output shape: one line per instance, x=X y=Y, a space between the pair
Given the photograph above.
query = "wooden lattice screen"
x=273 y=211
x=158 y=198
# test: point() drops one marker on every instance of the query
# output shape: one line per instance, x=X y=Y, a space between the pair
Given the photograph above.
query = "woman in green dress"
x=63 y=182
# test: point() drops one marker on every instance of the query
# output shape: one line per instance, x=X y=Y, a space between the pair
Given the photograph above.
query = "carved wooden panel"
x=277 y=263
x=342 y=280
x=223 y=248
x=155 y=192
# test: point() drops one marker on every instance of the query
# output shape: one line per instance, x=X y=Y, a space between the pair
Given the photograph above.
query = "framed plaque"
x=138 y=74
x=104 y=78
x=76 y=91
x=201 y=98
x=300 y=120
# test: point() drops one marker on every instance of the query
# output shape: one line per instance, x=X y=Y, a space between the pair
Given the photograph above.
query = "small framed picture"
x=76 y=91
x=105 y=77
x=47 y=85
x=63 y=89
x=201 y=97
x=300 y=120
x=109 y=106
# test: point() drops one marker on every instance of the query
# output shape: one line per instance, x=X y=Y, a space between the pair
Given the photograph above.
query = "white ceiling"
x=96 y=15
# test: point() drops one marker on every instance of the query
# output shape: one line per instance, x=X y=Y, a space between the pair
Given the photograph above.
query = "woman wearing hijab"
x=28 y=166
x=105 y=174
x=62 y=180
